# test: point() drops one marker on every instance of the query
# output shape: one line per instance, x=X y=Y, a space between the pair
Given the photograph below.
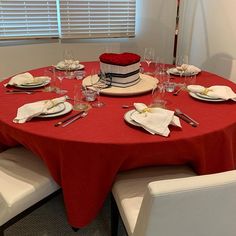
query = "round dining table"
x=85 y=156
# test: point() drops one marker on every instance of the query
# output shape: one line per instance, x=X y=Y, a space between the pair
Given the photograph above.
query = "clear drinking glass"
x=68 y=55
x=60 y=76
x=94 y=79
x=158 y=96
x=182 y=64
x=149 y=56
x=51 y=72
x=79 y=105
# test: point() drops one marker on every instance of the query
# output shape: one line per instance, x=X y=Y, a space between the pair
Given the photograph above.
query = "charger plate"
x=146 y=84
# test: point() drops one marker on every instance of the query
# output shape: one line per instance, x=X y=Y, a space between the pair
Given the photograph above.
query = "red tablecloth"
x=85 y=157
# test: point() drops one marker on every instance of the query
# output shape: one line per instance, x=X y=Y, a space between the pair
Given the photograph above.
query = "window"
x=28 y=19
x=67 y=18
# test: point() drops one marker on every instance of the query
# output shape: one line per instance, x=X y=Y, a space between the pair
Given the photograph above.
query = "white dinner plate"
x=79 y=67
x=194 y=95
x=68 y=108
x=146 y=84
x=36 y=85
x=128 y=118
x=174 y=71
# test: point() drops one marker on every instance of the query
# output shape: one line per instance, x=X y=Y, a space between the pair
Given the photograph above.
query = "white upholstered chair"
x=25 y=183
x=173 y=201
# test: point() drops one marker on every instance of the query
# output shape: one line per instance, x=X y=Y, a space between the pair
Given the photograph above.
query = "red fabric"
x=123 y=59
x=85 y=157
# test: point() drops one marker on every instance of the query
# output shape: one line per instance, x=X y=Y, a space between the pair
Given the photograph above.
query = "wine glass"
x=67 y=55
x=96 y=82
x=149 y=54
x=60 y=76
x=182 y=64
x=68 y=59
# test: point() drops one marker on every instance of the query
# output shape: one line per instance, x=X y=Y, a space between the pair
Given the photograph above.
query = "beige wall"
x=155 y=27
x=208 y=35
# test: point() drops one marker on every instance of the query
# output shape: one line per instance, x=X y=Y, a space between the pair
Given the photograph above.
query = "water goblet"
x=149 y=54
x=60 y=76
x=182 y=64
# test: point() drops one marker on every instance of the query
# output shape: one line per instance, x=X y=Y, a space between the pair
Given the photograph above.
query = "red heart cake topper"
x=122 y=59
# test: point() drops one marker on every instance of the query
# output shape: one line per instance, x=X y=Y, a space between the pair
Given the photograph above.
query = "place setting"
x=68 y=63
x=216 y=93
x=155 y=120
x=182 y=68
x=43 y=109
x=26 y=83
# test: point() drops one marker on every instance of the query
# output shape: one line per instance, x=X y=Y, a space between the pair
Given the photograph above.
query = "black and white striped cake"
x=121 y=70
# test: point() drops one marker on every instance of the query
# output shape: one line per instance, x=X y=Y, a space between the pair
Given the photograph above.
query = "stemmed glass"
x=149 y=54
x=60 y=76
x=182 y=64
x=96 y=82
x=68 y=55
x=68 y=59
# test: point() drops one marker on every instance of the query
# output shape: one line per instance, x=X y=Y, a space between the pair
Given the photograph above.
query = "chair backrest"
x=193 y=206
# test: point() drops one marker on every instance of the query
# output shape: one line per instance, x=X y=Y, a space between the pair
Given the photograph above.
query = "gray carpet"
x=50 y=220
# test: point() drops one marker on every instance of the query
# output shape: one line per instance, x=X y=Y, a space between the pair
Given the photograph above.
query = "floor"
x=50 y=220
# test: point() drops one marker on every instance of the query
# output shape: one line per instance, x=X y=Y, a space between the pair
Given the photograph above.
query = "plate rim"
x=68 y=108
x=34 y=86
x=127 y=118
x=80 y=67
x=126 y=92
x=205 y=99
x=170 y=70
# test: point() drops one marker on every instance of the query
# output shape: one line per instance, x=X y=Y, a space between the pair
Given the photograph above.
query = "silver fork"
x=187 y=118
x=85 y=113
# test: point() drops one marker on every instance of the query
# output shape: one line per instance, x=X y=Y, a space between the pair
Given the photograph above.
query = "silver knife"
x=85 y=113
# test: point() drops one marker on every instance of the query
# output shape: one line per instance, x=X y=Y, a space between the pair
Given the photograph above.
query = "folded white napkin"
x=30 y=110
x=216 y=91
x=27 y=79
x=155 y=120
x=68 y=64
x=187 y=69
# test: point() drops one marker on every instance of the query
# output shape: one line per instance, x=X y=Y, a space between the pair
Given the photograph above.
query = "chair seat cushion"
x=24 y=180
x=130 y=186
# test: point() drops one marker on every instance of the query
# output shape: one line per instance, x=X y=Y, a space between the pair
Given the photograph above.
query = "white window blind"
x=28 y=19
x=97 y=19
